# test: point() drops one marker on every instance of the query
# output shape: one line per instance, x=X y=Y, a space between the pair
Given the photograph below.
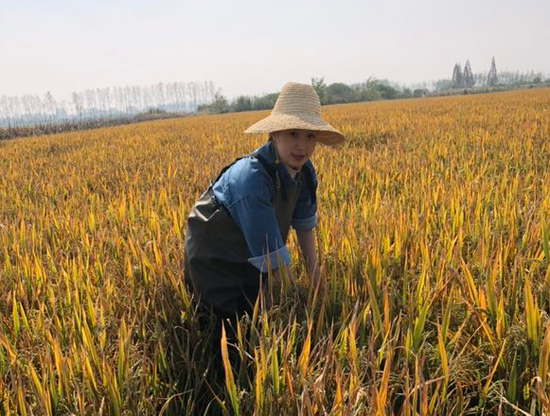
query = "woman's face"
x=295 y=146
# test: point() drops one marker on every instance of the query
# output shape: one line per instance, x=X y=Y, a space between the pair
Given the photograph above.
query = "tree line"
x=334 y=93
x=372 y=89
x=465 y=78
x=105 y=103
x=176 y=98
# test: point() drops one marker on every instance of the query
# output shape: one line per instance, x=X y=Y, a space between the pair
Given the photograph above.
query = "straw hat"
x=298 y=107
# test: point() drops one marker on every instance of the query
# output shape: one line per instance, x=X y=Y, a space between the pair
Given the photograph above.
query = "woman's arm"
x=306 y=241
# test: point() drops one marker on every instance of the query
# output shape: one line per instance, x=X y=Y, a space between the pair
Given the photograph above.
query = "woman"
x=236 y=232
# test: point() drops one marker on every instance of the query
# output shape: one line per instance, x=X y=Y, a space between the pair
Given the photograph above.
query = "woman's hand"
x=279 y=279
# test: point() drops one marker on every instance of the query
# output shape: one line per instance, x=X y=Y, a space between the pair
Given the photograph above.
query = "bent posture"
x=237 y=230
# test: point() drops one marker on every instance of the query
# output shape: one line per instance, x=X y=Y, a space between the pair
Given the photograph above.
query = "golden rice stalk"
x=532 y=318
x=229 y=380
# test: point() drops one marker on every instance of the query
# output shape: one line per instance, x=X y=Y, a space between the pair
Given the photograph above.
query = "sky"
x=254 y=47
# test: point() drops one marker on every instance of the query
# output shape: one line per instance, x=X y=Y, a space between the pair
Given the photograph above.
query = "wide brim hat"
x=298 y=107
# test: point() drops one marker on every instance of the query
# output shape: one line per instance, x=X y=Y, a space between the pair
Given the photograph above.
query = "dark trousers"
x=211 y=320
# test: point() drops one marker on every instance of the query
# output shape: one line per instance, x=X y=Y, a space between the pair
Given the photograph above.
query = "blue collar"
x=267 y=150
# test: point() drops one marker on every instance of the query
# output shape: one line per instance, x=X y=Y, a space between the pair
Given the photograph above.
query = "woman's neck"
x=292 y=171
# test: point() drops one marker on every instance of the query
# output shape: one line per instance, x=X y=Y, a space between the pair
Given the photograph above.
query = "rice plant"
x=434 y=236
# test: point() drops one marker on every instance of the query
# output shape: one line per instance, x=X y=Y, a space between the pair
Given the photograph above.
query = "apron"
x=216 y=252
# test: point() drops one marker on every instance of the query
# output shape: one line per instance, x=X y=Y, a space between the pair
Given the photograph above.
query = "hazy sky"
x=252 y=47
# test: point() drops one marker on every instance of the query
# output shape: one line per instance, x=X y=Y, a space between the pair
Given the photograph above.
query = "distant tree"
x=443 y=84
x=356 y=93
x=407 y=93
x=337 y=93
x=193 y=90
x=492 y=77
x=371 y=91
x=242 y=103
x=50 y=105
x=467 y=76
x=387 y=92
x=420 y=92
x=320 y=87
x=457 y=80
x=219 y=105
x=265 y=102
x=78 y=103
x=480 y=78
x=519 y=78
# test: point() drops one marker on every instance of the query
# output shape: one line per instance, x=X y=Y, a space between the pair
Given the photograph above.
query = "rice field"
x=434 y=239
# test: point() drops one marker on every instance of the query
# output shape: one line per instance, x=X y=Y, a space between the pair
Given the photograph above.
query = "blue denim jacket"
x=246 y=190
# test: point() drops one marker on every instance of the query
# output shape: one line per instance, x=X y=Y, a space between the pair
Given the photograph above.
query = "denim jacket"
x=246 y=191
